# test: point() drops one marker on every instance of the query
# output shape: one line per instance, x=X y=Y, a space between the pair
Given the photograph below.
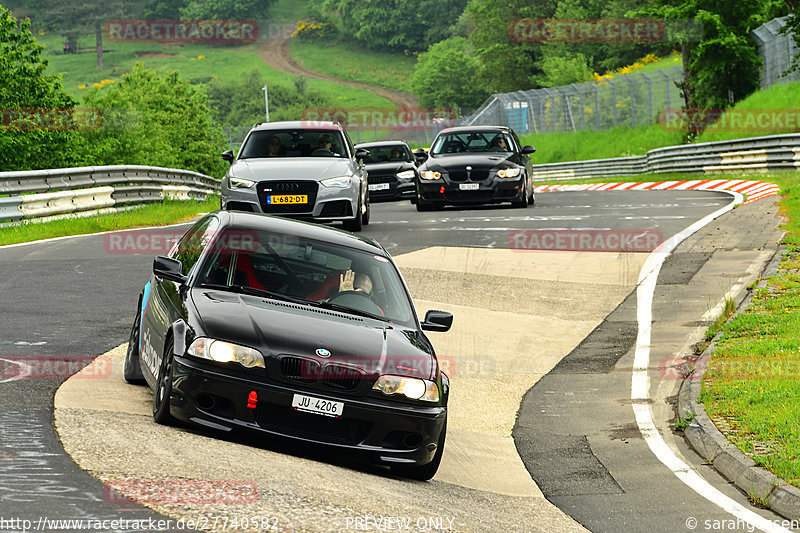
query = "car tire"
x=356 y=224
x=163 y=392
x=423 y=206
x=531 y=198
x=132 y=367
x=426 y=471
x=524 y=201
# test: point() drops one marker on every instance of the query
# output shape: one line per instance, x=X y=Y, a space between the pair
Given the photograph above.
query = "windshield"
x=383 y=154
x=308 y=272
x=478 y=141
x=294 y=143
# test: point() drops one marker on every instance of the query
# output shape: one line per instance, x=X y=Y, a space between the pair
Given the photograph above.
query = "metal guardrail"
x=772 y=152
x=61 y=192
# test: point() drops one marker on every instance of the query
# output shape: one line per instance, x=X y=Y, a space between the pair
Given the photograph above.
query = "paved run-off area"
x=495 y=356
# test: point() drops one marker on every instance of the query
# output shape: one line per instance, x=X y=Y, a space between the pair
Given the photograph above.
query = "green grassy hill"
x=351 y=62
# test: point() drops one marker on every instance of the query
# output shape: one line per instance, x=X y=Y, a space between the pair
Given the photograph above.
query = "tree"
x=396 y=24
x=37 y=126
x=721 y=65
x=224 y=9
x=444 y=76
x=150 y=118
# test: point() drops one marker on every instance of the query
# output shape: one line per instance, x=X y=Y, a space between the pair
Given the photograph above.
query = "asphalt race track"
x=542 y=436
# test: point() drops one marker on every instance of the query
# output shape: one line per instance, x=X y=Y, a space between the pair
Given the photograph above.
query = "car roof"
x=460 y=129
x=298 y=124
x=381 y=143
x=241 y=220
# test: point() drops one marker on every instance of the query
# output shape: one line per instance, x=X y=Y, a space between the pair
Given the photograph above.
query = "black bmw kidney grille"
x=300 y=369
x=286 y=420
x=462 y=175
x=330 y=376
x=268 y=188
x=341 y=377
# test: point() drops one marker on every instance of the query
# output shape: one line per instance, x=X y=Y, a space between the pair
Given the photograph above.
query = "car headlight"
x=240 y=183
x=406 y=175
x=226 y=352
x=430 y=175
x=341 y=182
x=412 y=388
x=508 y=173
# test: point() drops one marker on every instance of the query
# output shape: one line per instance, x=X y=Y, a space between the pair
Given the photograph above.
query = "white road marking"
x=25 y=370
x=641 y=380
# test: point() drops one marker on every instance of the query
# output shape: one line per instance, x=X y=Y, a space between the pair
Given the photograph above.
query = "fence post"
x=614 y=102
x=649 y=95
x=633 y=101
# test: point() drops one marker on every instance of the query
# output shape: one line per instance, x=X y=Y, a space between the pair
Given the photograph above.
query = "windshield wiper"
x=253 y=291
x=350 y=310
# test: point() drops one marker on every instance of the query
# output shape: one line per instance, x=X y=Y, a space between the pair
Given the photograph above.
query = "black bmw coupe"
x=295 y=330
x=475 y=165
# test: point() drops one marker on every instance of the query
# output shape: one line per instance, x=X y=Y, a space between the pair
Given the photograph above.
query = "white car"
x=308 y=171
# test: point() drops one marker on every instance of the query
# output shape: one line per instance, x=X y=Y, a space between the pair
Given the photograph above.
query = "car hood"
x=476 y=161
x=294 y=168
x=276 y=327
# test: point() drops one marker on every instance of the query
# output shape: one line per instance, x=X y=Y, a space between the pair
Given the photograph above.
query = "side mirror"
x=227 y=155
x=528 y=149
x=437 y=320
x=362 y=153
x=169 y=269
x=420 y=155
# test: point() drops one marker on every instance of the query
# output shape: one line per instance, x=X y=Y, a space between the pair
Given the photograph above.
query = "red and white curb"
x=753 y=190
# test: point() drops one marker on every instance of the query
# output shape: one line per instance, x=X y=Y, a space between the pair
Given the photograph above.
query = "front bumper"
x=387 y=432
x=391 y=189
x=325 y=204
x=493 y=190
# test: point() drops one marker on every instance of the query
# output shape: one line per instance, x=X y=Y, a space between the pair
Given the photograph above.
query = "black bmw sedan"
x=391 y=170
x=475 y=165
x=294 y=330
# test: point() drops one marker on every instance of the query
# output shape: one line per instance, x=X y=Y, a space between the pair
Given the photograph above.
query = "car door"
x=166 y=298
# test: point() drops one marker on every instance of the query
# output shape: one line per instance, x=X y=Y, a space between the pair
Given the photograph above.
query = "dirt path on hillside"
x=274 y=51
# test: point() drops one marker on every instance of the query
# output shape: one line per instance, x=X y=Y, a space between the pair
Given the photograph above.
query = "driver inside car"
x=352 y=281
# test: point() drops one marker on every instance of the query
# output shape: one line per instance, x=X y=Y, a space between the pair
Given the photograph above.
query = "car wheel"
x=531 y=198
x=357 y=223
x=523 y=202
x=423 y=206
x=132 y=367
x=427 y=471
x=163 y=390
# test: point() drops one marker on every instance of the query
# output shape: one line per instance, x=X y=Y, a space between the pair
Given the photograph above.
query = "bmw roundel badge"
x=322 y=352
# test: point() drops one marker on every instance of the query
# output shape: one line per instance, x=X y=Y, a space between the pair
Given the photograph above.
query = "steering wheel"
x=358 y=300
x=322 y=152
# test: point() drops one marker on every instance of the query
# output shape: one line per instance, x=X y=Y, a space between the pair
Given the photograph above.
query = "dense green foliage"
x=28 y=138
x=204 y=9
x=396 y=24
x=156 y=119
x=720 y=59
x=509 y=65
x=444 y=76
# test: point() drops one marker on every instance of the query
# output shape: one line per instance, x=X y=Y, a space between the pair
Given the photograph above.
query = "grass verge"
x=161 y=214
x=752 y=380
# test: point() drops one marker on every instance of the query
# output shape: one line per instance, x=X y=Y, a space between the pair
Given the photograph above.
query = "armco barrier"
x=773 y=152
x=61 y=192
